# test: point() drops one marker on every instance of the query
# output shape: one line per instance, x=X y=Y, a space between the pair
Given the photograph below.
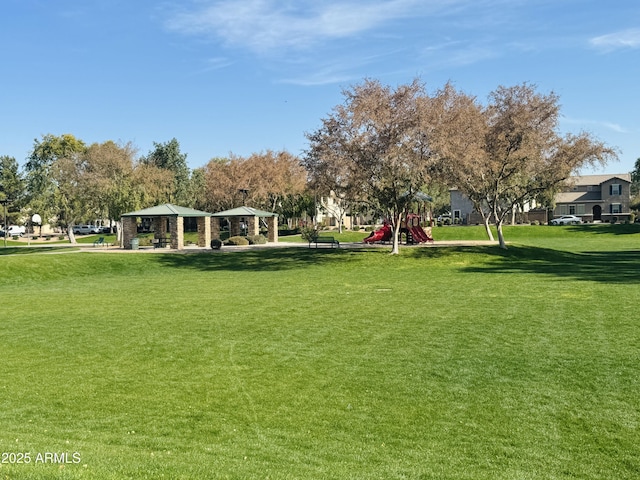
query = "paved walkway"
x=87 y=247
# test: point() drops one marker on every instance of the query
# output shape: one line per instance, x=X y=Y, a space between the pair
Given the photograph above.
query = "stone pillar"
x=176 y=232
x=215 y=228
x=272 y=225
x=234 y=226
x=129 y=231
x=159 y=227
x=204 y=232
x=253 y=226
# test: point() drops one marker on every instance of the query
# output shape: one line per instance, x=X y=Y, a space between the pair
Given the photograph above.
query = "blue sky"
x=244 y=76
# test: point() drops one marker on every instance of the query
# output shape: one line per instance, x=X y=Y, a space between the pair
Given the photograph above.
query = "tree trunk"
x=487 y=227
x=395 y=250
x=70 y=234
x=118 y=231
x=500 y=234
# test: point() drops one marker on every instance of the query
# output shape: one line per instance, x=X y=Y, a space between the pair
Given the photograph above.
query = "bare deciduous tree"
x=509 y=152
x=375 y=146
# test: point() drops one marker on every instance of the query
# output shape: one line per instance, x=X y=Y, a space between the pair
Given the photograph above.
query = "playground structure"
x=381 y=235
x=410 y=227
x=414 y=232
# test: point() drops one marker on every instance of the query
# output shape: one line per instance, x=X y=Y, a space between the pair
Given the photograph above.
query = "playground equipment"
x=410 y=227
x=381 y=235
x=415 y=233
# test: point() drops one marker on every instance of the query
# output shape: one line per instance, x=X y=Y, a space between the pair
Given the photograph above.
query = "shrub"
x=309 y=234
x=216 y=244
x=257 y=239
x=535 y=222
x=60 y=237
x=238 y=241
x=632 y=217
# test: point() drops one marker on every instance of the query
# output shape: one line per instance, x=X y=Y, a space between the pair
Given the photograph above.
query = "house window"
x=456 y=214
x=616 y=208
x=572 y=209
x=615 y=189
x=563 y=209
x=580 y=209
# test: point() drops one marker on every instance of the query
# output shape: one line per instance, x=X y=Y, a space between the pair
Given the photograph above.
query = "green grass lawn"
x=439 y=363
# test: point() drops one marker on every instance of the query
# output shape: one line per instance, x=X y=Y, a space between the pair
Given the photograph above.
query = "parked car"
x=15 y=231
x=85 y=229
x=566 y=220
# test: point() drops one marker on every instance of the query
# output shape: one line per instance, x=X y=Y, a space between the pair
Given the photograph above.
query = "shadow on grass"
x=24 y=250
x=270 y=259
x=605 y=228
x=606 y=267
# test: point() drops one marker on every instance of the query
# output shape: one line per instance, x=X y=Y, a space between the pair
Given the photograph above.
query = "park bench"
x=100 y=242
x=161 y=242
x=323 y=239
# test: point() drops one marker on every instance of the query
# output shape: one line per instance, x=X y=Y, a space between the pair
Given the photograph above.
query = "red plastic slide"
x=381 y=235
x=419 y=235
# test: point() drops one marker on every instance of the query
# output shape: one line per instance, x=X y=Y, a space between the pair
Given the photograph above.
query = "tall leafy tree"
x=109 y=175
x=12 y=187
x=167 y=156
x=377 y=146
x=508 y=152
x=51 y=175
x=262 y=180
x=635 y=179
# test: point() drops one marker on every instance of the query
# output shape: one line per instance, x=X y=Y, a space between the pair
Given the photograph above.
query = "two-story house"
x=596 y=198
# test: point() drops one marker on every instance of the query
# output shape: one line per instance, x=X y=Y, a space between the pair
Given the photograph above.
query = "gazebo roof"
x=244 y=212
x=167 y=210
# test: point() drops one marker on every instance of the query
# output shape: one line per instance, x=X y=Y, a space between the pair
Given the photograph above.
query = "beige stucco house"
x=596 y=198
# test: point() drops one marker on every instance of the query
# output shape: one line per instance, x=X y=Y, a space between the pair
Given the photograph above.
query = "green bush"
x=238 y=241
x=257 y=239
x=309 y=234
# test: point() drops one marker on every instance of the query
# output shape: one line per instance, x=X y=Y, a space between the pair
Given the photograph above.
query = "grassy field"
x=439 y=363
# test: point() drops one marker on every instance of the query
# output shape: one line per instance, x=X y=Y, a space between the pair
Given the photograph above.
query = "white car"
x=85 y=229
x=15 y=231
x=566 y=220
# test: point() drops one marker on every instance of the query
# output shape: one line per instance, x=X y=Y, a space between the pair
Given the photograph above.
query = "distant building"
x=596 y=198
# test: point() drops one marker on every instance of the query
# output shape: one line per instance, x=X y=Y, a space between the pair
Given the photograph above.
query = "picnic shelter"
x=167 y=219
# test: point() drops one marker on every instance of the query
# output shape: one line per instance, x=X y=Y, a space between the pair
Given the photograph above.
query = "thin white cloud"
x=614 y=41
x=264 y=25
x=602 y=124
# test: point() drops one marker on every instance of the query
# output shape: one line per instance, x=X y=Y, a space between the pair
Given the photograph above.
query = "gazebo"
x=167 y=218
x=252 y=218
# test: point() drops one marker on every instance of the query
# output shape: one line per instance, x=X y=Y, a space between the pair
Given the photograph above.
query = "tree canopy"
x=375 y=147
x=509 y=152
